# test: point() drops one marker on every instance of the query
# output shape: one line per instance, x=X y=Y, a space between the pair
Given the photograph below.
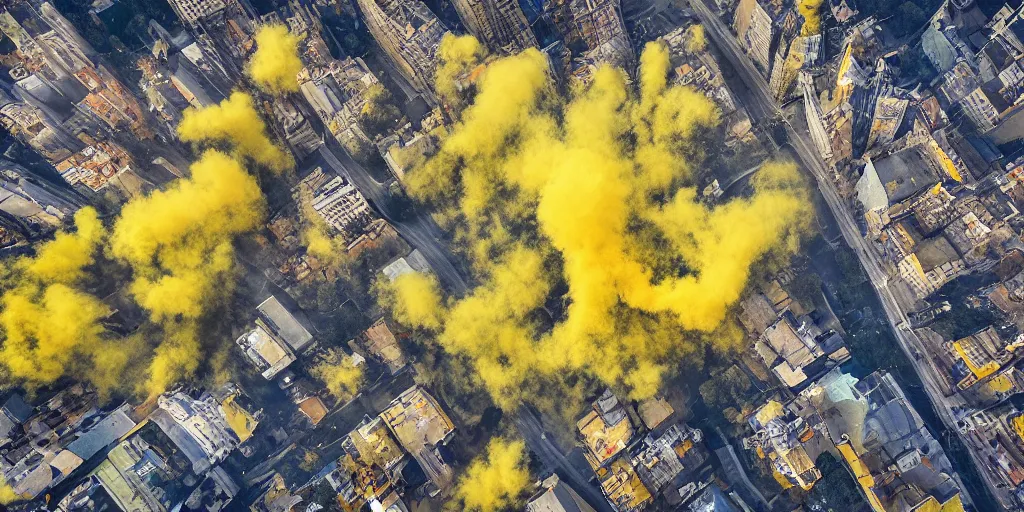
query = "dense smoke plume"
x=457 y=55
x=179 y=242
x=236 y=122
x=275 y=63
x=494 y=480
x=596 y=193
x=50 y=327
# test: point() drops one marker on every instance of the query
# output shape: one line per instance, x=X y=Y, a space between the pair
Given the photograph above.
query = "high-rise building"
x=409 y=33
x=759 y=25
x=192 y=11
x=600 y=26
x=500 y=24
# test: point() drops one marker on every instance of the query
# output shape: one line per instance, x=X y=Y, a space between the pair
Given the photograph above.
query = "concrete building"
x=557 y=496
x=285 y=325
x=336 y=201
x=423 y=429
x=600 y=26
x=897 y=462
x=499 y=24
x=781 y=437
x=193 y=11
x=759 y=26
x=409 y=34
x=268 y=353
x=606 y=429
x=815 y=117
x=978 y=357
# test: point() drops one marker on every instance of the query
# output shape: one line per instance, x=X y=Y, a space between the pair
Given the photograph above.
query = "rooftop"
x=605 y=429
x=284 y=323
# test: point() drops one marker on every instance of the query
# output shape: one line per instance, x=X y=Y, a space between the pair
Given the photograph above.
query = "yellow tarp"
x=241 y=422
x=979 y=371
x=864 y=478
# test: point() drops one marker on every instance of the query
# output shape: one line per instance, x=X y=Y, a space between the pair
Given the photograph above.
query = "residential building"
x=601 y=28
x=369 y=470
x=897 y=462
x=208 y=422
x=791 y=345
x=381 y=344
x=667 y=462
x=622 y=486
x=265 y=350
x=193 y=11
x=759 y=26
x=55 y=58
x=700 y=71
x=337 y=92
x=150 y=470
x=46 y=444
x=997 y=435
x=284 y=324
x=95 y=165
x=421 y=426
x=781 y=437
x=36 y=203
x=815 y=117
x=412 y=262
x=933 y=263
x=979 y=356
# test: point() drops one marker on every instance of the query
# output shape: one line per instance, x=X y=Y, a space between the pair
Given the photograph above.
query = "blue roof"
x=103 y=434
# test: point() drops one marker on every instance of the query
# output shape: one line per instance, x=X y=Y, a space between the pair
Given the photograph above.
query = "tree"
x=727 y=389
x=339 y=373
x=379 y=114
x=909 y=17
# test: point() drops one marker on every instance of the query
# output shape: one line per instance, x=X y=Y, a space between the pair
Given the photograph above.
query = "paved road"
x=421 y=232
x=762 y=107
x=540 y=444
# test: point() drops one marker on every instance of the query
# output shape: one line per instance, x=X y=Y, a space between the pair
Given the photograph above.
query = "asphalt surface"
x=761 y=107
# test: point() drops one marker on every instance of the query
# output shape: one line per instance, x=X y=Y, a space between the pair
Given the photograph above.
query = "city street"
x=762 y=108
x=421 y=232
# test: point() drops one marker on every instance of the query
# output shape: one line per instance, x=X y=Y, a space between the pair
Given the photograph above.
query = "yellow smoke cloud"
x=51 y=329
x=603 y=182
x=275 y=63
x=176 y=358
x=63 y=259
x=495 y=481
x=416 y=300
x=7 y=494
x=697 y=41
x=339 y=374
x=235 y=121
x=457 y=55
x=811 y=12
x=178 y=241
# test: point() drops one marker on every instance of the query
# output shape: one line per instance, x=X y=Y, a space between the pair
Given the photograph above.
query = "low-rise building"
x=423 y=429
x=268 y=353
x=557 y=496
x=606 y=429
x=779 y=437
x=336 y=201
x=979 y=356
